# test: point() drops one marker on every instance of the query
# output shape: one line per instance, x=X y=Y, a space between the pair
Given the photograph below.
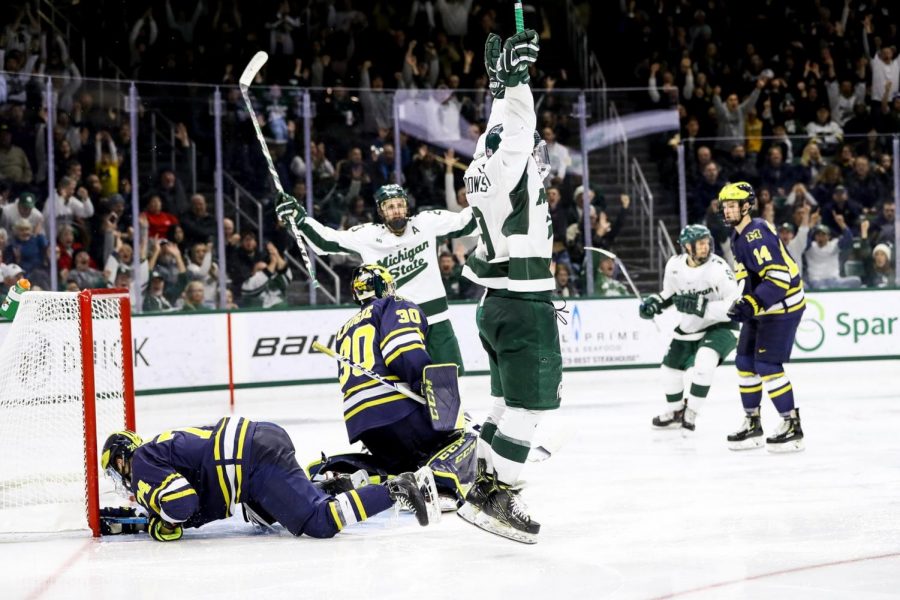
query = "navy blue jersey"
x=388 y=337
x=768 y=271
x=193 y=475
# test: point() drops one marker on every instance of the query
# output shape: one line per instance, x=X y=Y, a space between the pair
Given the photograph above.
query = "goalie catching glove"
x=289 y=210
x=519 y=53
x=691 y=304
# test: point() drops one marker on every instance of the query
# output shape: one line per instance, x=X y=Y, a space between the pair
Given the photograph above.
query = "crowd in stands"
x=796 y=115
x=799 y=99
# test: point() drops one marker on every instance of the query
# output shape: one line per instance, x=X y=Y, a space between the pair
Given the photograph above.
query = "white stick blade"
x=602 y=251
x=256 y=63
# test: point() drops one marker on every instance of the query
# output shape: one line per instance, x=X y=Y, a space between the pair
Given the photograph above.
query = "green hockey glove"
x=491 y=56
x=691 y=304
x=161 y=531
x=519 y=53
x=289 y=210
x=651 y=306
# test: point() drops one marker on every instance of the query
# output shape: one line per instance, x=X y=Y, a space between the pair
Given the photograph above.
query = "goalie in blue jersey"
x=387 y=337
x=189 y=477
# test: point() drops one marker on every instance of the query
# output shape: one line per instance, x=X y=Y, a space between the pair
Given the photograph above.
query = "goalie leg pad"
x=454 y=465
x=441 y=386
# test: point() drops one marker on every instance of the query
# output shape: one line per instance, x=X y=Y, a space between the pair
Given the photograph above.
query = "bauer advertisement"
x=182 y=352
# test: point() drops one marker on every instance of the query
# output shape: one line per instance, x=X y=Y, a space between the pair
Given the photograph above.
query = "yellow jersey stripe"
x=750 y=390
x=773 y=268
x=177 y=495
x=401 y=350
x=335 y=516
x=359 y=505
x=238 y=472
x=367 y=384
x=154 y=506
x=397 y=332
x=217 y=454
x=366 y=405
x=771 y=377
x=780 y=284
x=746 y=374
x=780 y=391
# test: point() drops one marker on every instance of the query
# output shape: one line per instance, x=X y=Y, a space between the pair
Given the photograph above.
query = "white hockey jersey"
x=509 y=202
x=713 y=279
x=411 y=257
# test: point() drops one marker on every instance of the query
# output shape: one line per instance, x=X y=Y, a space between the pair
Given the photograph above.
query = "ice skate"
x=478 y=493
x=749 y=436
x=788 y=437
x=504 y=514
x=408 y=493
x=688 y=422
x=669 y=420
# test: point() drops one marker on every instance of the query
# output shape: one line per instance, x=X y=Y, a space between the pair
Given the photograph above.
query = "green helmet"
x=691 y=234
x=389 y=192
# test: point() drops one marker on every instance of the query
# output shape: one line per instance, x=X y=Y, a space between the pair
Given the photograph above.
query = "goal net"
x=65 y=385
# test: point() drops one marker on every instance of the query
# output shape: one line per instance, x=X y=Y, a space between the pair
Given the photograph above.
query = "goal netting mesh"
x=43 y=480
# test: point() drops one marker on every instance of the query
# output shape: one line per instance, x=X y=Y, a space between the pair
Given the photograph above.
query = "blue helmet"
x=120 y=444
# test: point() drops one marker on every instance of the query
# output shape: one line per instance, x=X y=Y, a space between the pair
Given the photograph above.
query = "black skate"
x=749 y=436
x=504 y=514
x=789 y=437
x=417 y=493
x=669 y=420
x=478 y=493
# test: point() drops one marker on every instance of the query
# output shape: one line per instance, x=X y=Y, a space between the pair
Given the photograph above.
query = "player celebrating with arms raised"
x=703 y=288
x=405 y=245
x=516 y=319
x=770 y=309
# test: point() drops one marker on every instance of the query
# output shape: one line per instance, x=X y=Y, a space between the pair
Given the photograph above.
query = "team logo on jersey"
x=756 y=234
x=407 y=263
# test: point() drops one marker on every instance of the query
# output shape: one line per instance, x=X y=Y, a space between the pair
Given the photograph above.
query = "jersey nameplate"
x=478 y=183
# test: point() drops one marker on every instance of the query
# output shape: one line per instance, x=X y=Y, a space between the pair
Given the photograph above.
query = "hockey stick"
x=368 y=372
x=256 y=63
x=520 y=18
x=619 y=262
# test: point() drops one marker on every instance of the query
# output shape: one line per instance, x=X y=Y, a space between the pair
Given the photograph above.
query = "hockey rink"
x=626 y=512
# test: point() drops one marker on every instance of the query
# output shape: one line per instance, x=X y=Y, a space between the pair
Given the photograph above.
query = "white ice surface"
x=627 y=512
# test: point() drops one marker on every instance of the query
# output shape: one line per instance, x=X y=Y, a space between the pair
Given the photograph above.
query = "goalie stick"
x=256 y=63
x=538 y=453
x=619 y=262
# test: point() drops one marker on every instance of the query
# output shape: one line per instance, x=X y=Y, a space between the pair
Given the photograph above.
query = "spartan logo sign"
x=811 y=333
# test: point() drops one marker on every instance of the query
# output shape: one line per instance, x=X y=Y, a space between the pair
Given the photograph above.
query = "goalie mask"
x=691 y=240
x=121 y=444
x=371 y=282
x=393 y=206
x=540 y=153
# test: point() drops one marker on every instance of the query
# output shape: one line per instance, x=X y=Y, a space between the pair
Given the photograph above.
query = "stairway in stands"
x=628 y=245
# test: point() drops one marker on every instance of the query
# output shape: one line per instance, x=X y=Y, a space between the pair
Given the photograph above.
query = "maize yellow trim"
x=221 y=471
x=746 y=374
x=780 y=391
x=750 y=390
x=401 y=350
x=368 y=384
x=177 y=495
x=334 y=515
x=366 y=405
x=397 y=332
x=452 y=477
x=780 y=284
x=771 y=377
x=774 y=268
x=153 y=505
x=359 y=505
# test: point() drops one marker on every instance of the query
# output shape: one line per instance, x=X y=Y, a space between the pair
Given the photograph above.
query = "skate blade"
x=688 y=434
x=448 y=503
x=467 y=512
x=425 y=482
x=787 y=447
x=491 y=525
x=749 y=444
x=670 y=426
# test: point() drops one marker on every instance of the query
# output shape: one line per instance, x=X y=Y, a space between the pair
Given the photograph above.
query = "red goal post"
x=65 y=385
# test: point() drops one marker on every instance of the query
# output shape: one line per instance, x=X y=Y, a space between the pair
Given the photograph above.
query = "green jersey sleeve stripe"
x=433 y=307
x=529 y=268
x=487 y=270
x=467 y=230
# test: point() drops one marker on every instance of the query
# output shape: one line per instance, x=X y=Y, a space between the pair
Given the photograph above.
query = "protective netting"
x=43 y=484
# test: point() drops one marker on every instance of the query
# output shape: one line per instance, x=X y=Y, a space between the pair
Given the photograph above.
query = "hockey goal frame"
x=91 y=457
